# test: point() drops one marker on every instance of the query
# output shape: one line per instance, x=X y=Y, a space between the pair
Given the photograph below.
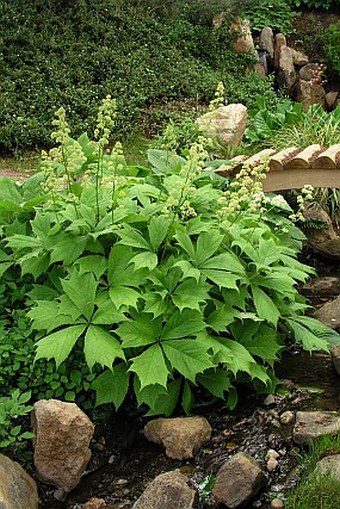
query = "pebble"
x=271 y=453
x=277 y=504
x=287 y=417
x=269 y=400
x=272 y=464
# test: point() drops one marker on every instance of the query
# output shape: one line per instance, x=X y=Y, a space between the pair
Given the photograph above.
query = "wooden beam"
x=297 y=178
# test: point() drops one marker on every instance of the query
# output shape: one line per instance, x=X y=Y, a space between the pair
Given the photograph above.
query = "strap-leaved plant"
x=169 y=278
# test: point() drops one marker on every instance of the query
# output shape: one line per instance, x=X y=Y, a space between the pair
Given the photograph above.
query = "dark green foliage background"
x=55 y=53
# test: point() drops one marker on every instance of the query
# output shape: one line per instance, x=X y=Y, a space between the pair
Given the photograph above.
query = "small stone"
x=331 y=98
x=238 y=481
x=269 y=400
x=329 y=314
x=287 y=417
x=167 y=491
x=99 y=447
x=95 y=503
x=272 y=464
x=121 y=482
x=180 y=436
x=271 y=453
x=276 y=503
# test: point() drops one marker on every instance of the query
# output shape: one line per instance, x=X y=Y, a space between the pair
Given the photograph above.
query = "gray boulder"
x=287 y=76
x=238 y=481
x=267 y=41
x=312 y=425
x=335 y=352
x=329 y=314
x=330 y=465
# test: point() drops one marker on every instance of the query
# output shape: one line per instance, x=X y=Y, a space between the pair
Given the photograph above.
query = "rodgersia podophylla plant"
x=168 y=280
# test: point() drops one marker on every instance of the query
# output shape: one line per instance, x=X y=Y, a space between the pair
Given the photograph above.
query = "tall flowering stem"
x=105 y=123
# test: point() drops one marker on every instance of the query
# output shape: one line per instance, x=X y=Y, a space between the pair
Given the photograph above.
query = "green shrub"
x=166 y=281
x=332 y=47
x=55 y=53
x=11 y=408
x=275 y=14
x=316 y=4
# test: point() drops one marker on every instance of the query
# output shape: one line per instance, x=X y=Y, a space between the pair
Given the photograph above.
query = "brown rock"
x=322 y=240
x=308 y=94
x=260 y=69
x=330 y=465
x=276 y=503
x=180 y=436
x=308 y=71
x=244 y=42
x=61 y=446
x=299 y=59
x=238 y=481
x=311 y=425
x=325 y=285
x=226 y=123
x=17 y=489
x=287 y=417
x=280 y=41
x=286 y=76
x=335 y=352
x=167 y=491
x=329 y=314
x=331 y=98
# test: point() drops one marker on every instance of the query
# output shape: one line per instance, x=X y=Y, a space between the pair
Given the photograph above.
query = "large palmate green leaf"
x=58 y=345
x=81 y=290
x=67 y=248
x=188 y=357
x=158 y=229
x=215 y=381
x=265 y=307
x=112 y=385
x=140 y=331
x=207 y=245
x=184 y=324
x=166 y=402
x=150 y=367
x=190 y=294
x=101 y=347
x=306 y=337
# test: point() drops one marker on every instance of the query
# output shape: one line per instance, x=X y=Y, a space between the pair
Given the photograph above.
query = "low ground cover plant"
x=167 y=278
x=332 y=45
x=57 y=53
x=315 y=490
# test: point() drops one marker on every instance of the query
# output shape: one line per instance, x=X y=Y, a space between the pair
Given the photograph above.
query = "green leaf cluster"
x=11 y=408
x=160 y=289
